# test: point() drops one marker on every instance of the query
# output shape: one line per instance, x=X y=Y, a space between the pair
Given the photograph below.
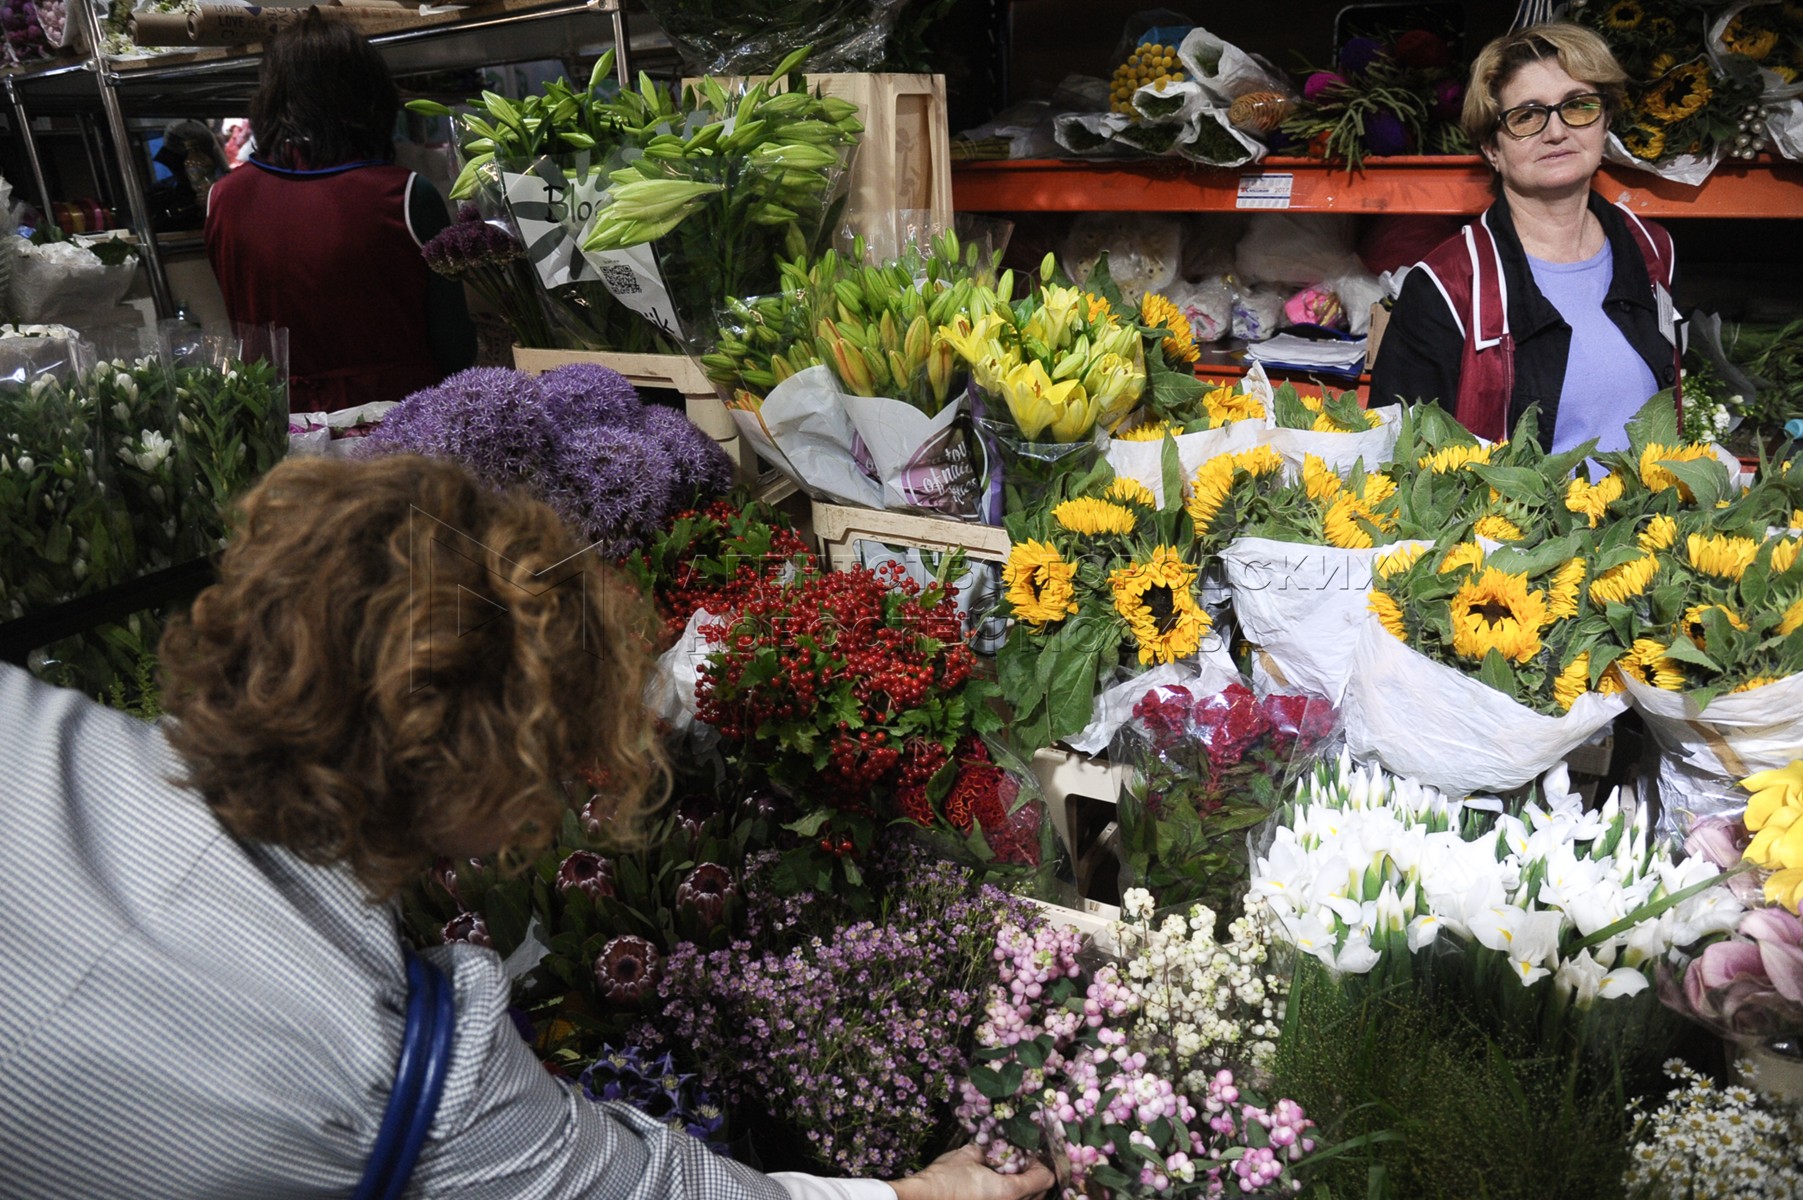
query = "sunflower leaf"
x=1706 y=478
x=1657 y=421
x=1495 y=672
x=1684 y=650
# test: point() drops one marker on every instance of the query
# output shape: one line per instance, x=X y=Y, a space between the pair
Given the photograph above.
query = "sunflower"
x=1624 y=14
x=1743 y=37
x=1377 y=489
x=1758 y=681
x=1395 y=562
x=1593 y=499
x=1389 y=612
x=1326 y=424
x=1228 y=403
x=1039 y=583
x=1497 y=529
x=1456 y=458
x=1688 y=88
x=1660 y=479
x=1091 y=517
x=1691 y=623
x=1721 y=555
x=1647 y=662
x=1209 y=490
x=1099 y=309
x=1155 y=599
x=1342 y=524
x=1622 y=583
x=1498 y=611
x=1130 y=491
x=1784 y=553
x=1659 y=534
x=1562 y=591
x=1573 y=681
x=1646 y=144
x=1319 y=481
x=1662 y=62
x=1258 y=461
x=1179 y=345
x=1150 y=431
x=1792 y=619
x=1464 y=556
x=1796 y=518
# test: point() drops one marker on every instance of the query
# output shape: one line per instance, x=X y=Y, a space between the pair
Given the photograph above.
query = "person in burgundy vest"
x=320 y=232
x=1554 y=298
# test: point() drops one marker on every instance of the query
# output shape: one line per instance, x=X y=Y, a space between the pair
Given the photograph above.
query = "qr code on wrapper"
x=620 y=280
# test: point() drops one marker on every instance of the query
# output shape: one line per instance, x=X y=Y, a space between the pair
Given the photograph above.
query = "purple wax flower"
x=1449 y=100
x=581 y=395
x=1319 y=82
x=588 y=872
x=628 y=969
x=702 y=470
x=1359 y=53
x=704 y=894
x=467 y=927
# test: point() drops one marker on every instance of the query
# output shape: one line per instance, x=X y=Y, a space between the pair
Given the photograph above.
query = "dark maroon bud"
x=588 y=872
x=468 y=927
x=628 y=969
x=705 y=892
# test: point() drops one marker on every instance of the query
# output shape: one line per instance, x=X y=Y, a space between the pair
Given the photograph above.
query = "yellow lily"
x=1039 y=405
x=1050 y=325
x=1116 y=384
x=1772 y=791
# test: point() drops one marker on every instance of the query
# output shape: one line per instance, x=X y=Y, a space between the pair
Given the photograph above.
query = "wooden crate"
x=904 y=159
x=840 y=527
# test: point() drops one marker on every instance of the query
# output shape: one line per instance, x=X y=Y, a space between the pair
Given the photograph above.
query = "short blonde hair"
x=1582 y=54
x=397 y=660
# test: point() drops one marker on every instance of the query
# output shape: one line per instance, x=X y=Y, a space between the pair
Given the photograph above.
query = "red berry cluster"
x=725 y=563
x=921 y=760
x=984 y=796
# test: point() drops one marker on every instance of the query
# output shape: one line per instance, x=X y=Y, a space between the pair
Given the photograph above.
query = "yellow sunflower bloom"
x=1779 y=846
x=1648 y=145
x=1091 y=517
x=1496 y=610
x=1785 y=888
x=1784 y=554
x=1741 y=36
x=1796 y=518
x=1151 y=431
x=1758 y=681
x=1497 y=529
x=1659 y=534
x=1228 y=403
x=1179 y=345
x=1156 y=600
x=1209 y=490
x=1791 y=620
x=1099 y=309
x=1647 y=661
x=1691 y=623
x=1396 y=561
x=1659 y=478
x=1620 y=584
x=1389 y=613
x=1624 y=14
x=1455 y=458
x=1562 y=591
x=1593 y=500
x=1319 y=481
x=1465 y=556
x=1377 y=489
x=1258 y=462
x=1039 y=583
x=1131 y=491
x=1573 y=681
x=1721 y=555
x=1341 y=524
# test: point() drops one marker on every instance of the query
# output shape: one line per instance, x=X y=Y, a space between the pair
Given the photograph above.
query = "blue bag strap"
x=418 y=1082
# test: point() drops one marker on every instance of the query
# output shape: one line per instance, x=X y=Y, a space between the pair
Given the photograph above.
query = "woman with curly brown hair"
x=205 y=990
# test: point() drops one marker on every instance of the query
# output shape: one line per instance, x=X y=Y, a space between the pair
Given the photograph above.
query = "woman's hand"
x=961 y=1175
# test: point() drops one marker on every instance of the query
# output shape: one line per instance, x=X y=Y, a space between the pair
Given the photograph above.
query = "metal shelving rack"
x=212 y=82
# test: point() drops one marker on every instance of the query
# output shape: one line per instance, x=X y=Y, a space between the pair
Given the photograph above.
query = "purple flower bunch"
x=855 y=1035
x=577 y=437
x=487 y=256
x=655 y=1088
x=1057 y=1058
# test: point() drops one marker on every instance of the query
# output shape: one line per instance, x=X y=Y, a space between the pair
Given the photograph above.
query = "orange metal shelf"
x=1453 y=186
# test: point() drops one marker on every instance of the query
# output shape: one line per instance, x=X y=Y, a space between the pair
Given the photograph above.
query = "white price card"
x=1265 y=190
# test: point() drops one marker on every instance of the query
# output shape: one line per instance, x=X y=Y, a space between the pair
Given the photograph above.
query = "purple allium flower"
x=469 y=244
x=628 y=969
x=580 y=395
x=586 y=871
x=611 y=485
x=468 y=927
x=702 y=470
x=704 y=894
x=487 y=418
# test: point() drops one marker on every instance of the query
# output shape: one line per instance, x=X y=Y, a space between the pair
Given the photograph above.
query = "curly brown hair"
x=398 y=663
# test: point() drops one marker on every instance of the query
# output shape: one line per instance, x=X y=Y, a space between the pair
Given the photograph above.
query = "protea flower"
x=628 y=969
x=705 y=892
x=693 y=811
x=588 y=872
x=759 y=805
x=444 y=874
x=467 y=927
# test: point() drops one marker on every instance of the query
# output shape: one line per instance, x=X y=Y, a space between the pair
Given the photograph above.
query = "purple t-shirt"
x=1606 y=380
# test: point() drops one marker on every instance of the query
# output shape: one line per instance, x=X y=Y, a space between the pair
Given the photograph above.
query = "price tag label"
x=1265 y=190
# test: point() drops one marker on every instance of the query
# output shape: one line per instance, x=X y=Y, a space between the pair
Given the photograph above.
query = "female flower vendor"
x=1554 y=297
x=205 y=991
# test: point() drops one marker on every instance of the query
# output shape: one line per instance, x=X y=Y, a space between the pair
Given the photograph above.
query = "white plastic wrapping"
x=1428 y=722
x=1703 y=754
x=802 y=428
x=1375 y=446
x=1303 y=608
x=1224 y=70
x=1688 y=169
x=1209 y=672
x=670 y=690
x=923 y=463
x=1144 y=461
x=62 y=281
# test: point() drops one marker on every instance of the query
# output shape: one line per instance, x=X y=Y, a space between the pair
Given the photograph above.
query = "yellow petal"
x=1767 y=801
x=1785 y=888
